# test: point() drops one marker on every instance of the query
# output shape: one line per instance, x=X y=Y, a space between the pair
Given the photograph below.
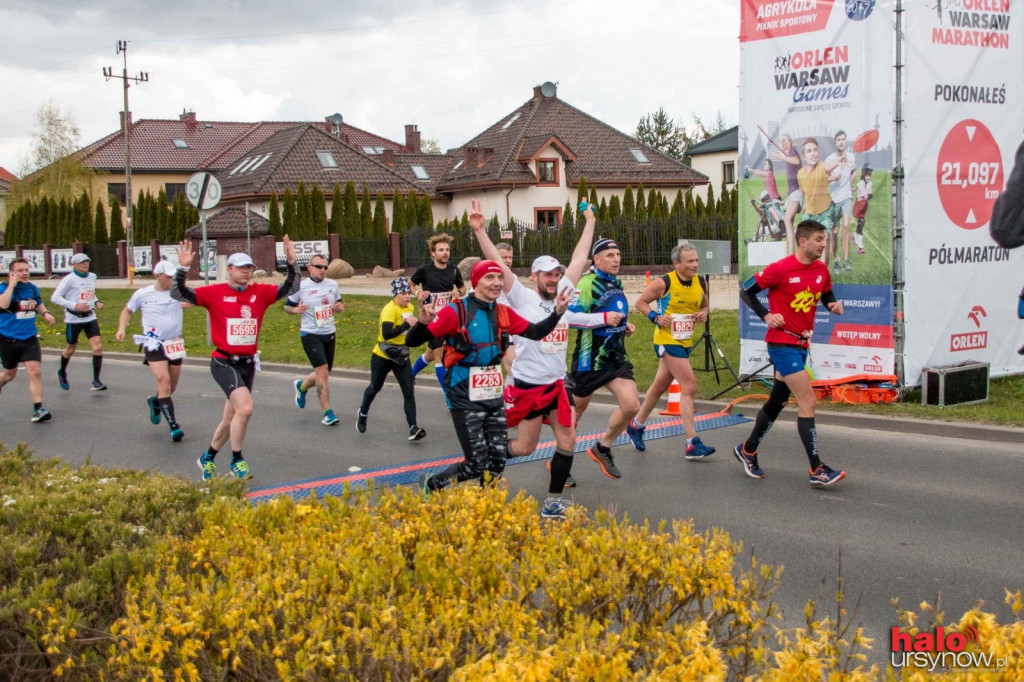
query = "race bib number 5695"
x=242 y=331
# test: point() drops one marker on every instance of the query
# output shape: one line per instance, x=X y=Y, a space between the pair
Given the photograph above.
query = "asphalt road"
x=918 y=515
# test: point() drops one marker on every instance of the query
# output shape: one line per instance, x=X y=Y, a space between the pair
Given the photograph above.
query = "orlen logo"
x=876 y=367
x=939 y=649
x=971 y=340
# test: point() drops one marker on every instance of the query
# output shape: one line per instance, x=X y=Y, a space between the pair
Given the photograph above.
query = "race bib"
x=682 y=326
x=242 y=331
x=27 y=311
x=87 y=295
x=174 y=349
x=441 y=300
x=323 y=314
x=485 y=383
x=557 y=340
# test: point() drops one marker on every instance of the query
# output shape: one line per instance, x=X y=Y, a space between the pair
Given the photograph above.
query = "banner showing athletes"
x=964 y=116
x=816 y=143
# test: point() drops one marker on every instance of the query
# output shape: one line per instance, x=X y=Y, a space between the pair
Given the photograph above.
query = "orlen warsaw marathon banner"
x=964 y=121
x=816 y=142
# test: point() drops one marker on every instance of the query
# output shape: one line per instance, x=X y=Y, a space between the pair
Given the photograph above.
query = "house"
x=717 y=157
x=6 y=178
x=528 y=164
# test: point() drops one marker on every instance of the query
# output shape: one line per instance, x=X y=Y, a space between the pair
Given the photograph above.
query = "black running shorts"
x=72 y=330
x=232 y=375
x=15 y=351
x=158 y=356
x=319 y=349
x=585 y=383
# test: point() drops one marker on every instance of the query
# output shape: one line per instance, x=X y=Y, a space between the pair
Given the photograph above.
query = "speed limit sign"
x=203 y=191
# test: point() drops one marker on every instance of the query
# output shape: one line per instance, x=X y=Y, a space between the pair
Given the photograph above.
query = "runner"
x=391 y=355
x=795 y=284
x=76 y=293
x=235 y=313
x=599 y=358
x=318 y=301
x=473 y=348
x=439 y=280
x=161 y=340
x=538 y=388
x=20 y=302
x=681 y=302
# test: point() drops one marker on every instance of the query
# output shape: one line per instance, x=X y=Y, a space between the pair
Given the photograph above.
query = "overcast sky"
x=452 y=67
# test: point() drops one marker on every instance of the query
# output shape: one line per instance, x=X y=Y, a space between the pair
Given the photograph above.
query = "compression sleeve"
x=390 y=330
x=181 y=292
x=584 y=320
x=290 y=285
x=748 y=294
x=535 y=331
x=828 y=297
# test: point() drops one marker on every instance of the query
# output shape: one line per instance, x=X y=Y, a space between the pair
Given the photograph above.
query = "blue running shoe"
x=207 y=466
x=154 y=409
x=329 y=418
x=823 y=476
x=424 y=484
x=555 y=508
x=697 y=450
x=98 y=386
x=240 y=468
x=749 y=462
x=62 y=380
x=300 y=395
x=636 y=434
x=41 y=415
x=177 y=434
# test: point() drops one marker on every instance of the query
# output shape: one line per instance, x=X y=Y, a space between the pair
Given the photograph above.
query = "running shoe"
x=300 y=395
x=416 y=433
x=570 y=482
x=636 y=434
x=177 y=434
x=154 y=409
x=424 y=484
x=361 y=422
x=836 y=267
x=847 y=265
x=329 y=418
x=98 y=386
x=240 y=468
x=749 y=462
x=62 y=380
x=207 y=466
x=605 y=459
x=41 y=415
x=823 y=476
x=860 y=250
x=697 y=450
x=555 y=508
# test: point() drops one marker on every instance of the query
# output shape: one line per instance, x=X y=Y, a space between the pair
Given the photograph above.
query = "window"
x=118 y=190
x=512 y=120
x=180 y=143
x=547 y=217
x=239 y=166
x=638 y=155
x=547 y=171
x=458 y=165
x=261 y=161
x=247 y=165
x=173 y=189
x=326 y=159
x=420 y=172
x=729 y=172
x=369 y=151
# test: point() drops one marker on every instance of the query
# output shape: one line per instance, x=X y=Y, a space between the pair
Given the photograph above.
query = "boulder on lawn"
x=465 y=265
x=339 y=269
x=379 y=271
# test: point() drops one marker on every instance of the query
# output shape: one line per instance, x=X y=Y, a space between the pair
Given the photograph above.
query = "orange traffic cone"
x=675 y=391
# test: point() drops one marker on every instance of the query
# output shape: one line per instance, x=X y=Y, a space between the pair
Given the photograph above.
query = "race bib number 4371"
x=242 y=331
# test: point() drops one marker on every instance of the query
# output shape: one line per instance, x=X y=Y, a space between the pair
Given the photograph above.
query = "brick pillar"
x=394 y=251
x=47 y=248
x=154 y=251
x=18 y=248
x=122 y=259
x=333 y=247
x=77 y=247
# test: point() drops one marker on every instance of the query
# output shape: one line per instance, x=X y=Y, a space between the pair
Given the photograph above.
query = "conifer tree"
x=614 y=208
x=581 y=191
x=59 y=235
x=365 y=215
x=568 y=216
x=593 y=196
x=337 y=210
x=412 y=214
x=274 y=218
x=628 y=205
x=641 y=206
x=289 y=213
x=699 y=207
x=464 y=223
x=709 y=205
x=398 y=213
x=351 y=221
x=380 y=218
x=425 y=213
x=162 y=216
x=318 y=206
x=603 y=212
x=691 y=207
x=303 y=213
x=678 y=205
x=653 y=198
x=116 y=224
x=85 y=232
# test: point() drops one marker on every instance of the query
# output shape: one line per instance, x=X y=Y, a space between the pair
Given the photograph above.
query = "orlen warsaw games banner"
x=816 y=95
x=964 y=121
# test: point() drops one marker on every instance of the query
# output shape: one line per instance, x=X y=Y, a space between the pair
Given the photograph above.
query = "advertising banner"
x=303 y=252
x=964 y=117
x=36 y=259
x=5 y=258
x=60 y=260
x=816 y=142
x=142 y=258
x=170 y=254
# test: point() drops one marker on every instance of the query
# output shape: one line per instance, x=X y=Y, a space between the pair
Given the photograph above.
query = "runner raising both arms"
x=236 y=310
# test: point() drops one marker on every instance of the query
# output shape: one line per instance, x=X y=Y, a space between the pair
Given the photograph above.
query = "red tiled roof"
x=533 y=144
x=434 y=165
x=210 y=145
x=293 y=158
x=230 y=222
x=7 y=175
x=602 y=152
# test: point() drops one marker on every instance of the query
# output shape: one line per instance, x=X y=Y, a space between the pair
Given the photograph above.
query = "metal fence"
x=365 y=253
x=102 y=259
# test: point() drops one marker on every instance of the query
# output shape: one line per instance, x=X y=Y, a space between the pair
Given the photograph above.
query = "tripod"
x=710 y=363
x=744 y=379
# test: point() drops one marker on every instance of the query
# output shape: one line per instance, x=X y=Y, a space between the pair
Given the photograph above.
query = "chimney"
x=470 y=156
x=389 y=156
x=120 y=116
x=188 y=117
x=536 y=92
x=412 y=138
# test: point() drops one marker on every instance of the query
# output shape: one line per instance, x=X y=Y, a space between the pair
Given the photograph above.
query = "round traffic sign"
x=969 y=173
x=203 y=191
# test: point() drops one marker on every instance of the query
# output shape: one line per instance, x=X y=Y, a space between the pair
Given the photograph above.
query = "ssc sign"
x=203 y=191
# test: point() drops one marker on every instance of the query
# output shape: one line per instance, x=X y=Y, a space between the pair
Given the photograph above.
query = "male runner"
x=839 y=187
x=538 y=389
x=599 y=358
x=474 y=382
x=795 y=284
x=161 y=340
x=235 y=309
x=437 y=281
x=318 y=301
x=20 y=302
x=76 y=293
x=681 y=302
x=813 y=179
x=391 y=355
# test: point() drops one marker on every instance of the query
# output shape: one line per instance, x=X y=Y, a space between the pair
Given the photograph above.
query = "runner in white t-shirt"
x=538 y=389
x=76 y=293
x=160 y=340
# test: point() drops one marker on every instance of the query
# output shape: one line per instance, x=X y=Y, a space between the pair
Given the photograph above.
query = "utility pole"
x=142 y=77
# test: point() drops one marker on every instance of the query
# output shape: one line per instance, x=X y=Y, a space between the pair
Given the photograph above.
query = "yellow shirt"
x=679 y=299
x=393 y=314
x=814 y=184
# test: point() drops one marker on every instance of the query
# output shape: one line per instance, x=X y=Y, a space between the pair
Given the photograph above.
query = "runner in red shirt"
x=795 y=284
x=236 y=309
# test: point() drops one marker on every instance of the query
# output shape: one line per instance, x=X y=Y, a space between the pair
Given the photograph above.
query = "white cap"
x=765 y=196
x=79 y=258
x=164 y=267
x=240 y=260
x=546 y=264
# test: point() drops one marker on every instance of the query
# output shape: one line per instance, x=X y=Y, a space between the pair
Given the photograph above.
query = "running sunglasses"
x=318 y=267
